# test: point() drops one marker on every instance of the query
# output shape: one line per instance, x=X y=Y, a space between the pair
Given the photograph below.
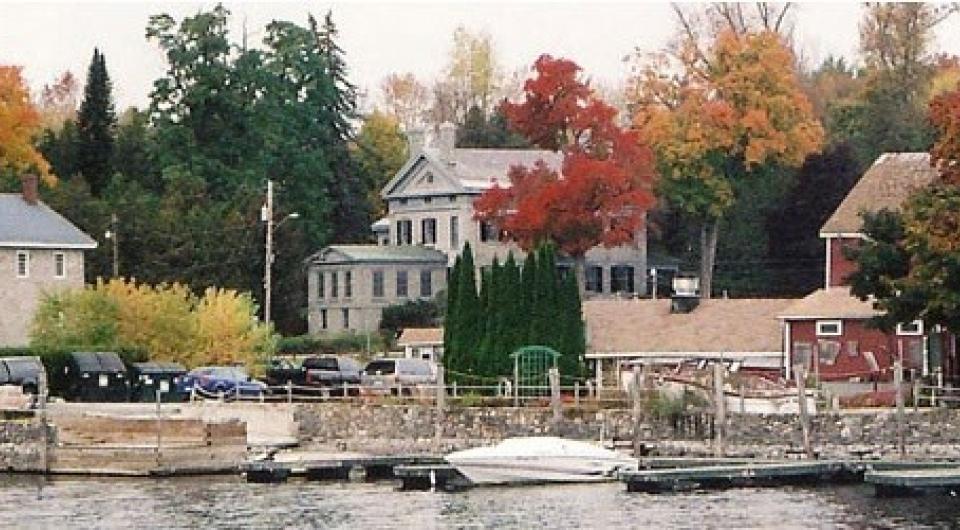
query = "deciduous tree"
x=19 y=122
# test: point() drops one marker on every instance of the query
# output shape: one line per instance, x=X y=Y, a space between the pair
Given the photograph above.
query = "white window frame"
x=25 y=254
x=908 y=333
x=822 y=323
x=61 y=259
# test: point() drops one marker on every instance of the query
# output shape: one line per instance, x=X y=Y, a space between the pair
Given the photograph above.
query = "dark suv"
x=21 y=371
x=332 y=372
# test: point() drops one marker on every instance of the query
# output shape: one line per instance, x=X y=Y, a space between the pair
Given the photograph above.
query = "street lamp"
x=266 y=215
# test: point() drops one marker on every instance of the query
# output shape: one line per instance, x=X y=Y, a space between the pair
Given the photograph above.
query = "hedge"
x=329 y=345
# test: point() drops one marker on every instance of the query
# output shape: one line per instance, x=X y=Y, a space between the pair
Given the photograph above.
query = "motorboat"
x=539 y=459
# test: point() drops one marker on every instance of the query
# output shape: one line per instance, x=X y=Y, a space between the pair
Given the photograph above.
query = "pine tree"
x=96 y=123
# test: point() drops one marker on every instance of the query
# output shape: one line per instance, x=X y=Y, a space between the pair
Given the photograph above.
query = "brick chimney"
x=30 y=193
x=415 y=140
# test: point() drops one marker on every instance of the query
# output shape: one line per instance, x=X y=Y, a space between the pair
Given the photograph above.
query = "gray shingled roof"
x=378 y=253
x=23 y=225
x=477 y=168
x=887 y=184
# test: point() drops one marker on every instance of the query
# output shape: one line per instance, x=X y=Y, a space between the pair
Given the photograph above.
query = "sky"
x=380 y=38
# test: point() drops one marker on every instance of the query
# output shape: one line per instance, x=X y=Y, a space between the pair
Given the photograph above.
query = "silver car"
x=397 y=376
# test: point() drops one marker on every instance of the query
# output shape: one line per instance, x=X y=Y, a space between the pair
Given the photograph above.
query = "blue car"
x=211 y=381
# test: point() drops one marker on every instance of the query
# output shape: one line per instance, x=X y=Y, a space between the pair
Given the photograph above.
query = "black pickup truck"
x=281 y=371
x=332 y=372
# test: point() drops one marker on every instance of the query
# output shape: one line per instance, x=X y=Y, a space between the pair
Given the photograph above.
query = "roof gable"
x=423 y=174
x=27 y=225
x=886 y=184
x=340 y=254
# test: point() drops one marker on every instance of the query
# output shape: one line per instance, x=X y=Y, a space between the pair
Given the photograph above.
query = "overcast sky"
x=47 y=38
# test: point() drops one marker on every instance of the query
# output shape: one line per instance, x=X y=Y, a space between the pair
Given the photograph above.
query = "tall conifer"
x=450 y=321
x=469 y=312
x=96 y=125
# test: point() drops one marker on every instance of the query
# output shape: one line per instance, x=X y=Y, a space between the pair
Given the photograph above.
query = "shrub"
x=412 y=314
x=303 y=345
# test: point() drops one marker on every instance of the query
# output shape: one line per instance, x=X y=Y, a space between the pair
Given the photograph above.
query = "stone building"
x=40 y=252
x=430 y=206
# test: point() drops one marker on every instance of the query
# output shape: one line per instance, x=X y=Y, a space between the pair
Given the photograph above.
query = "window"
x=828 y=350
x=594 y=279
x=428 y=231
x=454 y=233
x=621 y=279
x=802 y=353
x=488 y=232
x=323 y=319
x=401 y=283
x=453 y=198
x=403 y=201
x=334 y=285
x=378 y=284
x=913 y=353
x=347 y=284
x=59 y=265
x=405 y=232
x=829 y=328
x=321 y=288
x=911 y=328
x=23 y=264
x=427 y=200
x=426 y=283
x=346 y=318
x=853 y=348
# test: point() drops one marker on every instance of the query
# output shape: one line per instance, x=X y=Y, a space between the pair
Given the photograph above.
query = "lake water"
x=32 y=502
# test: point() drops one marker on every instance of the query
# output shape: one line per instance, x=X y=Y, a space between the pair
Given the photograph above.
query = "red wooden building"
x=826 y=331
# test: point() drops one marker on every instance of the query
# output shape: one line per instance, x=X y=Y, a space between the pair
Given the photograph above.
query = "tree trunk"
x=580 y=273
x=709 y=231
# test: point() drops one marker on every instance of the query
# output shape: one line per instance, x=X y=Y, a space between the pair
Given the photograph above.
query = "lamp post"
x=266 y=215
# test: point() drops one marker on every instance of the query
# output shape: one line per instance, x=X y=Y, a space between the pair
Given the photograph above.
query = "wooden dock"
x=910 y=482
x=362 y=467
x=725 y=476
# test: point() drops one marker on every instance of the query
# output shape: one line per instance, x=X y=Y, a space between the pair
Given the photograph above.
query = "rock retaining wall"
x=21 y=446
x=411 y=428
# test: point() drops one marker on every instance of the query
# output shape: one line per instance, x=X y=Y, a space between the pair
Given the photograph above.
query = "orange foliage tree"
x=601 y=192
x=19 y=121
x=945 y=153
x=720 y=115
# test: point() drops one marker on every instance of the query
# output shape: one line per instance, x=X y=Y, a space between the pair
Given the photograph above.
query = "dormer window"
x=429 y=178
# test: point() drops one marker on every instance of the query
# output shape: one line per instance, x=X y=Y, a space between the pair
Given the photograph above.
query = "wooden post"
x=289 y=391
x=916 y=390
x=576 y=394
x=898 y=384
x=42 y=393
x=637 y=408
x=721 y=413
x=555 y=393
x=799 y=373
x=438 y=426
x=743 y=400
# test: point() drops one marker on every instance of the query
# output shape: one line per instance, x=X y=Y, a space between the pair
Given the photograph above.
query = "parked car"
x=280 y=371
x=24 y=372
x=397 y=376
x=226 y=380
x=332 y=372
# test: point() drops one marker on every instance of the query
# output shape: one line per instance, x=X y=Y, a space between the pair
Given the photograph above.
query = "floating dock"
x=367 y=467
x=725 y=476
x=911 y=482
x=431 y=477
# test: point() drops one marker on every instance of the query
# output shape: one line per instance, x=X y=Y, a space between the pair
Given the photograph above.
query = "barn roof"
x=421 y=336
x=834 y=302
x=716 y=325
x=887 y=184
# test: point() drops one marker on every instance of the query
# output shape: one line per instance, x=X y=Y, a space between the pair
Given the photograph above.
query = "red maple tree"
x=604 y=186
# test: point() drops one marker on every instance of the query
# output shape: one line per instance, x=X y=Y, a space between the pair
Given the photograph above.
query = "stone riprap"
x=22 y=445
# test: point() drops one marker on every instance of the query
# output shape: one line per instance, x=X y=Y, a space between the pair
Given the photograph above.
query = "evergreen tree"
x=514 y=320
x=469 y=313
x=572 y=328
x=451 y=320
x=542 y=324
x=528 y=288
x=96 y=123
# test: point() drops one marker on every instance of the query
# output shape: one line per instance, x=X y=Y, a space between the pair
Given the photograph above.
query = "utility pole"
x=112 y=236
x=266 y=215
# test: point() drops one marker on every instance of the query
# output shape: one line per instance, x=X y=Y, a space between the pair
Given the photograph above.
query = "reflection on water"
x=32 y=502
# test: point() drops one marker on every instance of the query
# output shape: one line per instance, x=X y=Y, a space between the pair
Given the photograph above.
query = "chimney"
x=446 y=141
x=415 y=140
x=30 y=194
x=686 y=294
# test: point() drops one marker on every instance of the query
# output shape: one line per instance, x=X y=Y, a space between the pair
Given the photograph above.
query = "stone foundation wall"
x=21 y=446
x=411 y=428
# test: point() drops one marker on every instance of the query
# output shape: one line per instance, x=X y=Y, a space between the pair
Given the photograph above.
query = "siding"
x=20 y=297
x=839 y=266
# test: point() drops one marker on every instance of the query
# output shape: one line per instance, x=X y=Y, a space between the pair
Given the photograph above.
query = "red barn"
x=827 y=330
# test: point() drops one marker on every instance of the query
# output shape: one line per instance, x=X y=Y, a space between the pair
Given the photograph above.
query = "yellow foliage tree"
x=19 y=121
x=721 y=114
x=226 y=330
x=158 y=319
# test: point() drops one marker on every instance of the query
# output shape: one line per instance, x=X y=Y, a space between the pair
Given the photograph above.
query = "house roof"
x=473 y=170
x=27 y=225
x=834 y=302
x=378 y=253
x=421 y=336
x=886 y=184
x=716 y=325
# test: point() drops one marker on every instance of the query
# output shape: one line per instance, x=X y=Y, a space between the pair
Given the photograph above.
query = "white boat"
x=538 y=460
